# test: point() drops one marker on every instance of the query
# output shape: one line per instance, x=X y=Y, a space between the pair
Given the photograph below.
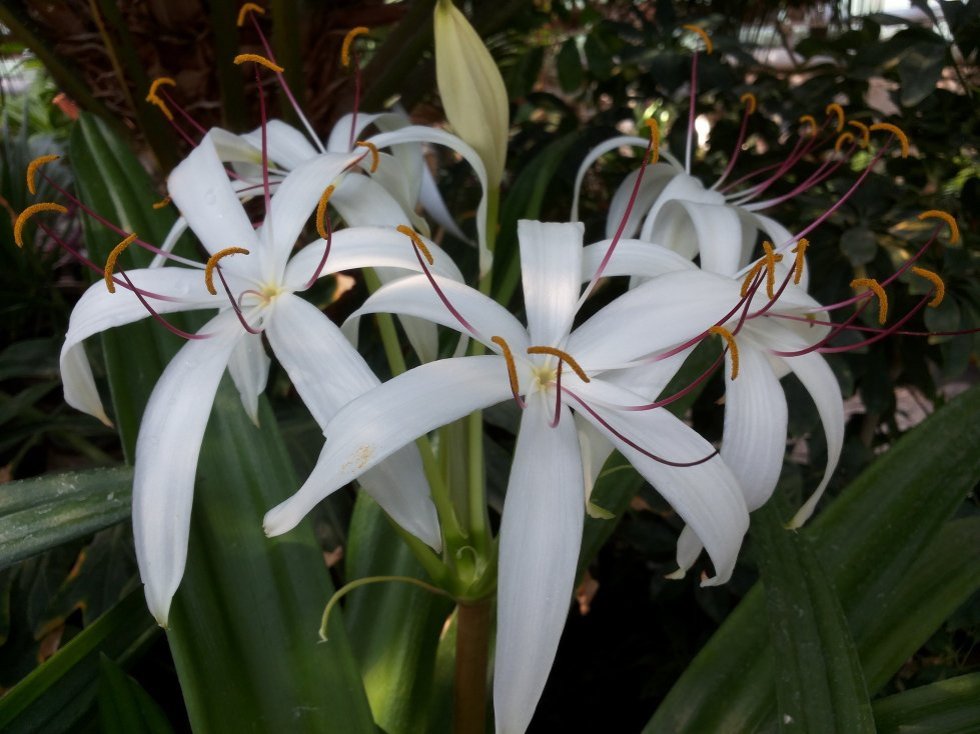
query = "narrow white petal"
x=755 y=424
x=707 y=496
x=362 y=201
x=714 y=228
x=166 y=459
x=633 y=258
x=689 y=547
x=200 y=188
x=551 y=274
x=540 y=536
x=249 y=369
x=655 y=178
x=435 y=206
x=179 y=227
x=287 y=147
x=98 y=310
x=596 y=449
x=375 y=425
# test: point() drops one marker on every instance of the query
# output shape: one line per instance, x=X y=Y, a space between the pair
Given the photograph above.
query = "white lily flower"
x=550 y=370
x=260 y=280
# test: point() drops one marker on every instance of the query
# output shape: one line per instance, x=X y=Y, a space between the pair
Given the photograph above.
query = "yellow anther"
x=564 y=357
x=162 y=203
x=936 y=281
x=800 y=251
x=30 y=212
x=261 y=60
x=321 y=212
x=732 y=346
x=865 y=132
x=110 y=262
x=895 y=130
x=770 y=259
x=375 y=157
x=416 y=240
x=811 y=121
x=954 y=230
x=654 y=140
x=156 y=84
x=708 y=46
x=842 y=139
x=748 y=99
x=873 y=285
x=509 y=359
x=750 y=276
x=32 y=170
x=245 y=10
x=348 y=40
x=838 y=112
x=213 y=263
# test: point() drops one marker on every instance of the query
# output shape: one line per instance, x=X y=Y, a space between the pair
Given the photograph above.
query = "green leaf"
x=569 y=64
x=244 y=621
x=947 y=707
x=919 y=70
x=875 y=540
x=57 y=694
x=124 y=706
x=819 y=683
x=37 y=514
x=859 y=245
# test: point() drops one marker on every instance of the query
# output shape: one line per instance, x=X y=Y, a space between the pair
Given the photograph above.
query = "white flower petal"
x=707 y=495
x=435 y=206
x=655 y=178
x=755 y=424
x=689 y=547
x=540 y=536
x=714 y=228
x=98 y=310
x=166 y=458
x=179 y=227
x=633 y=258
x=551 y=274
x=362 y=201
x=249 y=369
x=375 y=425
x=200 y=188
x=286 y=147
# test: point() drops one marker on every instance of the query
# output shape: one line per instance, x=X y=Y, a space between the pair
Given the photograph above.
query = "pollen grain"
x=29 y=212
x=32 y=170
x=213 y=263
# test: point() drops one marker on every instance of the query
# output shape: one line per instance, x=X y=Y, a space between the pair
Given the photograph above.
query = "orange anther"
x=838 y=112
x=416 y=240
x=32 y=170
x=375 y=157
x=708 y=46
x=654 y=140
x=564 y=357
x=321 y=212
x=261 y=60
x=895 y=130
x=748 y=99
x=213 y=263
x=110 y=262
x=954 y=230
x=865 y=132
x=245 y=10
x=936 y=281
x=732 y=346
x=162 y=203
x=800 y=251
x=30 y=212
x=511 y=367
x=873 y=285
x=348 y=40
x=811 y=121
x=750 y=276
x=770 y=259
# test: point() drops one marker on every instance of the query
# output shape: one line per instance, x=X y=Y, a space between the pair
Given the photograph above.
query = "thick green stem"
x=470 y=681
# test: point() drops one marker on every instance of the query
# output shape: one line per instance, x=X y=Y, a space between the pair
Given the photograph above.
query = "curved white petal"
x=755 y=424
x=435 y=206
x=286 y=146
x=714 y=228
x=634 y=258
x=551 y=274
x=200 y=188
x=596 y=449
x=415 y=296
x=689 y=547
x=540 y=536
x=167 y=448
x=362 y=201
x=365 y=247
x=178 y=228
x=707 y=495
x=655 y=178
x=375 y=425
x=98 y=310
x=249 y=370
x=419 y=134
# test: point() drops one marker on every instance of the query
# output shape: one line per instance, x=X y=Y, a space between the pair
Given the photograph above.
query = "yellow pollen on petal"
x=348 y=40
x=32 y=170
x=843 y=138
x=375 y=157
x=865 y=132
x=800 y=251
x=895 y=130
x=321 y=211
x=654 y=140
x=750 y=276
x=748 y=99
x=732 y=346
x=213 y=263
x=29 y=212
x=954 y=230
x=936 y=281
x=708 y=45
x=873 y=285
x=245 y=10
x=811 y=121
x=110 y=262
x=564 y=357
x=838 y=112
x=416 y=240
x=261 y=60
x=770 y=259
x=509 y=359
x=162 y=203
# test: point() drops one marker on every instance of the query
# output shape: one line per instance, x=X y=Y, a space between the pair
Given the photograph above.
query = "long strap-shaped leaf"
x=947 y=707
x=869 y=540
x=243 y=626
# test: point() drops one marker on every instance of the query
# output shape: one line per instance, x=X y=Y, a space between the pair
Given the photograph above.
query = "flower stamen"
x=895 y=130
x=349 y=40
x=153 y=98
x=29 y=212
x=771 y=258
x=749 y=278
x=873 y=285
x=654 y=154
x=954 y=230
x=32 y=170
x=812 y=122
x=508 y=356
x=162 y=203
x=375 y=157
x=838 y=112
x=865 y=132
x=732 y=345
x=110 y=262
x=843 y=138
x=800 y=251
x=564 y=357
x=321 y=212
x=245 y=10
x=417 y=241
x=258 y=59
x=213 y=263
x=708 y=45
x=748 y=99
x=937 y=282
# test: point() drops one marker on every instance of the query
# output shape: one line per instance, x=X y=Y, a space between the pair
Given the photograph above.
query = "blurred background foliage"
x=577 y=73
